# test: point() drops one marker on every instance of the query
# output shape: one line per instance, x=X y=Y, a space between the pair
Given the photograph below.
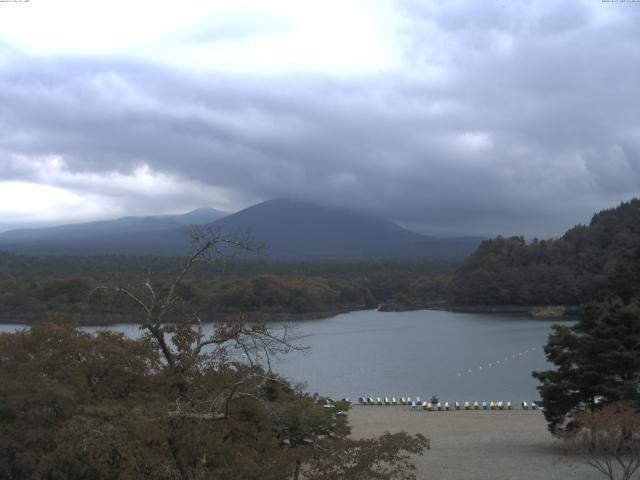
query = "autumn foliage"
x=81 y=406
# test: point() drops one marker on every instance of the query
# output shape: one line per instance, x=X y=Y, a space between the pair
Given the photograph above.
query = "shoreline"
x=535 y=311
x=105 y=319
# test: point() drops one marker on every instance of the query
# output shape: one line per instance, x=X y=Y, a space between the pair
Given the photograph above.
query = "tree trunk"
x=175 y=453
x=296 y=473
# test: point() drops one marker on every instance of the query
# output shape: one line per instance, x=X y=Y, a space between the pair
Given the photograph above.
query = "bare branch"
x=127 y=293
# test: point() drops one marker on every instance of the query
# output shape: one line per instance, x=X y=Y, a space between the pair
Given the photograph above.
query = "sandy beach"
x=477 y=445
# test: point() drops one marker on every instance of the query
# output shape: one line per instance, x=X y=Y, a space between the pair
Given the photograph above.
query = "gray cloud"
x=508 y=117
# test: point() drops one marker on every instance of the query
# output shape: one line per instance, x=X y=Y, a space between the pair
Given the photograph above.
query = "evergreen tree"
x=624 y=279
x=577 y=268
x=597 y=360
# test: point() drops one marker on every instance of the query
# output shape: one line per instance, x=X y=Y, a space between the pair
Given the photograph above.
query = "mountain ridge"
x=292 y=229
x=124 y=224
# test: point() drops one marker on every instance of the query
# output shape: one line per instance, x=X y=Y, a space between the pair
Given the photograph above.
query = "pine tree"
x=597 y=360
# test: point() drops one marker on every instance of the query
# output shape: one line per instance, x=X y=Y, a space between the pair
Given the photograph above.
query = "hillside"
x=296 y=230
x=290 y=229
x=126 y=235
x=581 y=266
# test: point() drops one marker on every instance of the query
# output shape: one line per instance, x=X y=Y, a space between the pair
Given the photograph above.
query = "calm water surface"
x=456 y=356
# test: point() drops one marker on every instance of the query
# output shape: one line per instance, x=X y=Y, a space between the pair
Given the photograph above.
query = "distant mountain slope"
x=291 y=230
x=295 y=230
x=581 y=266
x=123 y=235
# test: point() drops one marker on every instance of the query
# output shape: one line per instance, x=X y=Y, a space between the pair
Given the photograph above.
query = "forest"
x=33 y=287
x=571 y=270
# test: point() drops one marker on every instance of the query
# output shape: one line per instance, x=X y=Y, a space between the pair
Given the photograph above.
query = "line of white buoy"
x=418 y=404
x=499 y=362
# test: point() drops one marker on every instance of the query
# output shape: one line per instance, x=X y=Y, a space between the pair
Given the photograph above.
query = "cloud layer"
x=491 y=117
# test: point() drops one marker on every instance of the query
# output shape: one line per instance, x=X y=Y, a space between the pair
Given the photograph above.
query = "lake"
x=456 y=356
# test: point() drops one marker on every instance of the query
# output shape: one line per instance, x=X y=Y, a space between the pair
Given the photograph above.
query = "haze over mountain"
x=296 y=229
x=107 y=236
x=291 y=230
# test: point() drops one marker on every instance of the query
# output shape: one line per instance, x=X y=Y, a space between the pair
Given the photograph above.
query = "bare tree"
x=238 y=354
x=159 y=308
x=222 y=396
x=609 y=440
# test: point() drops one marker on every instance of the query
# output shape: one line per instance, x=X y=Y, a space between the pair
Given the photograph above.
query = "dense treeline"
x=571 y=270
x=265 y=294
x=389 y=275
x=34 y=286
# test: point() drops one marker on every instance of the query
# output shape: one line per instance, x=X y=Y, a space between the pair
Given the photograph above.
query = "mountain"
x=584 y=265
x=123 y=235
x=302 y=230
x=291 y=230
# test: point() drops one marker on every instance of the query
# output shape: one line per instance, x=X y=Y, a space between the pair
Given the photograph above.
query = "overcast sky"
x=478 y=117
